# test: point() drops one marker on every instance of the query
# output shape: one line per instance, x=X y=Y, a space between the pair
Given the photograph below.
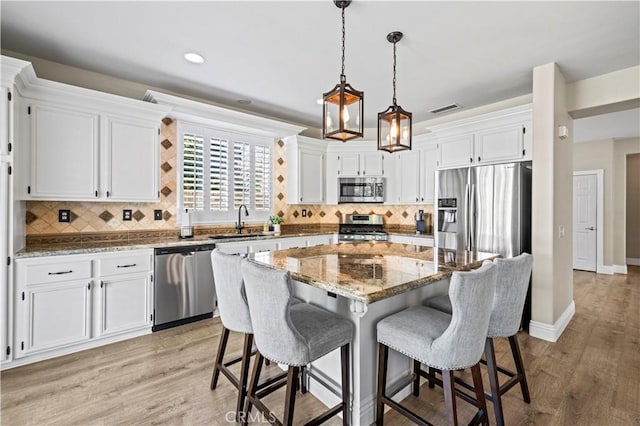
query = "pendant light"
x=342 y=113
x=394 y=124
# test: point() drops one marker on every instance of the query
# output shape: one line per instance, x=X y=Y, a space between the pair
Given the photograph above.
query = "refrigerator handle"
x=467 y=217
x=472 y=216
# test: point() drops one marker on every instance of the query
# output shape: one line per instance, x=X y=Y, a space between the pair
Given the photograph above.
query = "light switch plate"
x=157 y=215
x=304 y=212
x=126 y=214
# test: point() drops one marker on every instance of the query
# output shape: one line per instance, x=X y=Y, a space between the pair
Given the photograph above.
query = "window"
x=220 y=171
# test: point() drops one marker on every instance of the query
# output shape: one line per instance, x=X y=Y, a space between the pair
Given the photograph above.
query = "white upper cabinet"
x=498 y=137
x=80 y=144
x=64 y=152
x=5 y=119
x=407 y=177
x=428 y=160
x=332 y=174
x=455 y=151
x=133 y=160
x=305 y=170
x=352 y=164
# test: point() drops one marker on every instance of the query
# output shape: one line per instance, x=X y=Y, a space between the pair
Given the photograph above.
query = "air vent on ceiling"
x=445 y=108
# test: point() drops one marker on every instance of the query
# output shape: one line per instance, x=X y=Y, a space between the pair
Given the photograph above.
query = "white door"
x=4 y=252
x=428 y=174
x=349 y=164
x=372 y=163
x=311 y=177
x=125 y=303
x=407 y=188
x=584 y=222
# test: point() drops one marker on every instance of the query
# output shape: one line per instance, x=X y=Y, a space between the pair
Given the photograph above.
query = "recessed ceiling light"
x=244 y=101
x=194 y=58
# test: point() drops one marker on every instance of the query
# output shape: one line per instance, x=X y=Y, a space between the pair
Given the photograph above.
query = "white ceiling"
x=283 y=55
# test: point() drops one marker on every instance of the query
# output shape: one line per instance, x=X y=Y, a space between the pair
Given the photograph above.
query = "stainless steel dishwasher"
x=184 y=289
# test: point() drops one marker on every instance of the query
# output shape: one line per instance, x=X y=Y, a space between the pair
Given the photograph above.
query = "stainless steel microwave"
x=361 y=190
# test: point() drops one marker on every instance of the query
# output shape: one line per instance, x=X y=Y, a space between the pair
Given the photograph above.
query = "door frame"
x=600 y=266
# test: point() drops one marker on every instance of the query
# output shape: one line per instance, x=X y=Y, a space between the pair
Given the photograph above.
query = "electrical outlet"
x=304 y=212
x=157 y=215
x=126 y=214
x=420 y=212
x=64 y=216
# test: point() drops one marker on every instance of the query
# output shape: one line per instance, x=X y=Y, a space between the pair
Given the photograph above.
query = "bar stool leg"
x=448 y=382
x=416 y=378
x=496 y=396
x=244 y=373
x=345 y=359
x=517 y=358
x=253 y=387
x=482 y=403
x=383 y=358
x=290 y=398
x=222 y=346
x=432 y=373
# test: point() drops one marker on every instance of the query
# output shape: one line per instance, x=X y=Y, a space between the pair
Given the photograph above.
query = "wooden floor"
x=591 y=376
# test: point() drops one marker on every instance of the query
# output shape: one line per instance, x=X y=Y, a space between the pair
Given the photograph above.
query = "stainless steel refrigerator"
x=485 y=208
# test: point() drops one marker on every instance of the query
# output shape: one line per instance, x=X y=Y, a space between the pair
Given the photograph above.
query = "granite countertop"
x=370 y=271
x=87 y=247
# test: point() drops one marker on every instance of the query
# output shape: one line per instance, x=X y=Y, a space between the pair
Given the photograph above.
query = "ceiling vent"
x=445 y=108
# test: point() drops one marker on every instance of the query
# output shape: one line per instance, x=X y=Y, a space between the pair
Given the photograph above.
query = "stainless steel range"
x=362 y=227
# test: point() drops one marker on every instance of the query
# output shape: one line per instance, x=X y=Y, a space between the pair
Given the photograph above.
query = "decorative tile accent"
x=167 y=121
x=281 y=143
x=338 y=213
x=166 y=191
x=280 y=178
x=280 y=160
x=138 y=215
x=295 y=213
x=322 y=214
x=405 y=214
x=280 y=196
x=166 y=215
x=166 y=144
x=280 y=213
x=30 y=217
x=388 y=214
x=372 y=212
x=106 y=216
x=309 y=213
x=166 y=167
x=355 y=212
x=72 y=216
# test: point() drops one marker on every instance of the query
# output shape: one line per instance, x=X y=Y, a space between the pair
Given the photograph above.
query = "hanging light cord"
x=343 y=78
x=394 y=74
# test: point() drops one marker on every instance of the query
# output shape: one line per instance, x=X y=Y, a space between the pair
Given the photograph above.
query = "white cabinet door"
x=500 y=144
x=4 y=122
x=262 y=245
x=372 y=163
x=407 y=172
x=455 y=151
x=53 y=316
x=124 y=303
x=64 y=153
x=132 y=161
x=406 y=239
x=428 y=173
x=234 y=248
x=288 y=243
x=320 y=240
x=311 y=175
x=5 y=319
x=349 y=164
x=333 y=170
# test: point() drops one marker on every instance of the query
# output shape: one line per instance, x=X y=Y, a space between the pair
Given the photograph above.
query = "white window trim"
x=230 y=216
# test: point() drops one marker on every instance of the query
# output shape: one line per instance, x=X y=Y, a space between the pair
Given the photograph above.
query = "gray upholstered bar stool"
x=506 y=313
x=234 y=315
x=442 y=341
x=294 y=335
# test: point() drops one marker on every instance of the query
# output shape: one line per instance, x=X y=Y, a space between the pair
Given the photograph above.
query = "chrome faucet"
x=239 y=224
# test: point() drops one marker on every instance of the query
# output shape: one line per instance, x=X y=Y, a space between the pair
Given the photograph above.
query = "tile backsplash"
x=42 y=216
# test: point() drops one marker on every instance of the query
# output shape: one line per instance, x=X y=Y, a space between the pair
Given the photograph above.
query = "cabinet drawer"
x=57 y=271
x=124 y=264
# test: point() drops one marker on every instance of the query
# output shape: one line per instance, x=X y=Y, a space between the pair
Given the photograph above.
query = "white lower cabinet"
x=68 y=303
x=125 y=303
x=255 y=246
x=408 y=239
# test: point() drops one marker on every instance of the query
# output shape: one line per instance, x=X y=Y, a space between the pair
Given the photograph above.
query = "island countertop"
x=370 y=271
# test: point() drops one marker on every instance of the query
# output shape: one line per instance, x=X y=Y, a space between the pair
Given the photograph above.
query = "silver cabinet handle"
x=127 y=266
x=591 y=228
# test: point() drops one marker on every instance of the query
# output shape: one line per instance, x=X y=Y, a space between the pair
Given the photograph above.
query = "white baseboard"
x=552 y=332
x=633 y=261
x=619 y=269
x=604 y=269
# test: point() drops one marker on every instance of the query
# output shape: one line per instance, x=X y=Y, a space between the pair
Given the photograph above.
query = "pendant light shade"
x=394 y=124
x=342 y=106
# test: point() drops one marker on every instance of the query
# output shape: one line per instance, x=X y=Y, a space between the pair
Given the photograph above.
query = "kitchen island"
x=366 y=282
